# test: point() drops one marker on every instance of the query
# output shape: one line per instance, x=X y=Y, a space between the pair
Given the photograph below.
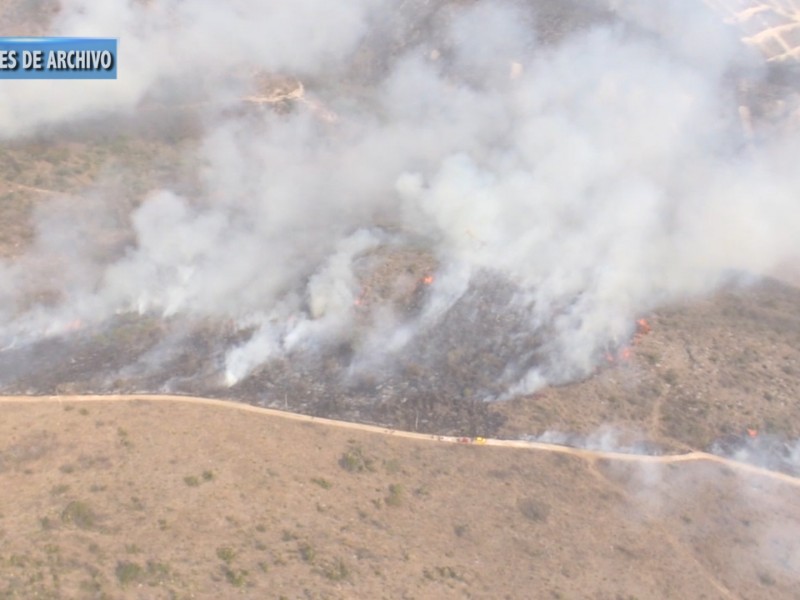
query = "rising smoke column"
x=601 y=174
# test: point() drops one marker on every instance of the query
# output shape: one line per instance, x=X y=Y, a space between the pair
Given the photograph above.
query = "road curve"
x=544 y=447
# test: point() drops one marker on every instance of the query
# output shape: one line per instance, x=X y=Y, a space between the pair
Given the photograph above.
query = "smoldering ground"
x=536 y=178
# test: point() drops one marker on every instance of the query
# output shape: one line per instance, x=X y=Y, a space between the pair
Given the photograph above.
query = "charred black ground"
x=710 y=370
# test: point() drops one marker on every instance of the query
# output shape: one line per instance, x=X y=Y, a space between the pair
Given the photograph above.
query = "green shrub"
x=226 y=554
x=307 y=552
x=321 y=482
x=236 y=577
x=79 y=514
x=354 y=461
x=396 y=494
x=337 y=570
x=128 y=572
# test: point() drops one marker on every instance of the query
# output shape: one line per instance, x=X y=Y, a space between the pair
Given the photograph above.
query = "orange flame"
x=427 y=280
x=623 y=354
x=752 y=432
x=643 y=327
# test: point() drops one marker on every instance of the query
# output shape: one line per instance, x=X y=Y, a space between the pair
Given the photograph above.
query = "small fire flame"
x=427 y=280
x=625 y=353
x=643 y=327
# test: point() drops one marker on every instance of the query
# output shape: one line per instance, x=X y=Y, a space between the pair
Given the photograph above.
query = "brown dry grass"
x=710 y=368
x=169 y=500
x=144 y=500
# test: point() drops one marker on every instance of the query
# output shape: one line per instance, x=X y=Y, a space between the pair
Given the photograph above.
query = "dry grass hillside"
x=710 y=368
x=146 y=499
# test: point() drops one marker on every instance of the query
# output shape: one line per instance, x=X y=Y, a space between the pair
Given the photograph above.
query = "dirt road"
x=589 y=455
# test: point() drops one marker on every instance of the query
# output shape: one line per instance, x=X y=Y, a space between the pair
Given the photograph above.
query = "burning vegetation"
x=625 y=352
x=407 y=222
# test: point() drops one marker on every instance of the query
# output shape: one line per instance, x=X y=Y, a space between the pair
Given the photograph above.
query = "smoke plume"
x=559 y=182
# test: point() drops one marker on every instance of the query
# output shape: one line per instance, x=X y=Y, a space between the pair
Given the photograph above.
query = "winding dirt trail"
x=590 y=455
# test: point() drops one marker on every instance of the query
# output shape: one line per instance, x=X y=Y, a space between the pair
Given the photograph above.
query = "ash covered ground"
x=437 y=382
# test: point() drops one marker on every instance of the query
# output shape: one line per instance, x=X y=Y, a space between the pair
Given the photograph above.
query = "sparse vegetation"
x=174 y=167
x=344 y=514
x=288 y=536
x=195 y=481
x=128 y=572
x=336 y=570
x=670 y=376
x=122 y=434
x=226 y=554
x=440 y=573
x=153 y=573
x=59 y=489
x=307 y=552
x=236 y=577
x=423 y=491
x=651 y=357
x=354 y=460
x=79 y=514
x=243 y=552
x=533 y=509
x=396 y=495
x=392 y=466
x=158 y=573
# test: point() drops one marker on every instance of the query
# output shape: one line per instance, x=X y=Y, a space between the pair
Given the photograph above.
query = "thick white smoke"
x=601 y=174
x=172 y=44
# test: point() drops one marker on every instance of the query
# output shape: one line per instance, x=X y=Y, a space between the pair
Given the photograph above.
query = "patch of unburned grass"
x=226 y=554
x=79 y=514
x=353 y=460
x=128 y=572
x=337 y=570
x=396 y=495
